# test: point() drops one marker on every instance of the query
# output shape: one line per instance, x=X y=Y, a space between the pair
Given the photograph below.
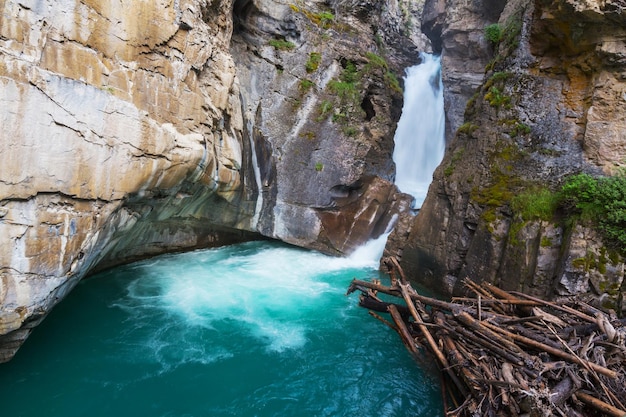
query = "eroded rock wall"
x=319 y=96
x=550 y=104
x=121 y=138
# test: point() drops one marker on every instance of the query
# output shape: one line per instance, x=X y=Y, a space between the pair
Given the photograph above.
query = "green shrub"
x=319 y=166
x=578 y=194
x=493 y=33
x=497 y=98
x=600 y=200
x=349 y=74
x=306 y=85
x=468 y=128
x=313 y=63
x=325 y=19
x=325 y=107
x=282 y=44
x=344 y=90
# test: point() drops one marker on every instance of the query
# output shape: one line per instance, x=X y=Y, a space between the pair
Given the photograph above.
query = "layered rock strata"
x=121 y=138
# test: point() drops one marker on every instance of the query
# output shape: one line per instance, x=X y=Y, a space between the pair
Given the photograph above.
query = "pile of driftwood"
x=509 y=354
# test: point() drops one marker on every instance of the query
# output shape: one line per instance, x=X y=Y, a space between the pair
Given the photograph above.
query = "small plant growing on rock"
x=319 y=166
x=456 y=157
x=392 y=82
x=325 y=19
x=375 y=60
x=493 y=33
x=350 y=131
x=378 y=62
x=344 y=90
x=313 y=63
x=306 y=85
x=497 y=98
x=325 y=107
x=282 y=44
x=520 y=129
x=538 y=203
x=467 y=128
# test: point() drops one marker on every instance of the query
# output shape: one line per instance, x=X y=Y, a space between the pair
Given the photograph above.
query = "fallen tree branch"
x=500 y=352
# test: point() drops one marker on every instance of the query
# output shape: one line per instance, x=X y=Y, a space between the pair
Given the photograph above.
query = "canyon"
x=162 y=126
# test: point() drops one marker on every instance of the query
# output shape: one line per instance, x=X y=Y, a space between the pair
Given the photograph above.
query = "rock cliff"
x=146 y=127
x=550 y=103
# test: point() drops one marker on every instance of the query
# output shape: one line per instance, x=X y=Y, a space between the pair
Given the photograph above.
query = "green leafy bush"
x=282 y=44
x=306 y=85
x=349 y=74
x=497 y=98
x=493 y=33
x=346 y=86
x=325 y=19
x=601 y=200
x=313 y=63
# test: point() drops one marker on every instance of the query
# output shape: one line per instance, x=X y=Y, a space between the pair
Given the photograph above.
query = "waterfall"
x=257 y=175
x=419 y=139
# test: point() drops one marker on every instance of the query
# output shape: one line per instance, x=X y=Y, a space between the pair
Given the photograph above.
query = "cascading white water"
x=419 y=139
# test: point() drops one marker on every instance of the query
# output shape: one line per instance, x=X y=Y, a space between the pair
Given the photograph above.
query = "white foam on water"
x=265 y=288
x=369 y=254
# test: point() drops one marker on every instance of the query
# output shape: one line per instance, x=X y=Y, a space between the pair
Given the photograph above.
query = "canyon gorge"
x=167 y=125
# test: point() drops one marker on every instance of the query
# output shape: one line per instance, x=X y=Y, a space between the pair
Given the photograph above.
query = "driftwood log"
x=510 y=354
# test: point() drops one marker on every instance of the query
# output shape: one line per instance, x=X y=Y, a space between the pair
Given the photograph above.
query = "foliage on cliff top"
x=600 y=201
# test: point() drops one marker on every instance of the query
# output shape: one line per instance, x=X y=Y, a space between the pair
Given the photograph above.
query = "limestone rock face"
x=139 y=128
x=321 y=99
x=456 y=29
x=121 y=138
x=550 y=104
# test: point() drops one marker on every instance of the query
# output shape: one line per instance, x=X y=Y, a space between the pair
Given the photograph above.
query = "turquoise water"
x=258 y=329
